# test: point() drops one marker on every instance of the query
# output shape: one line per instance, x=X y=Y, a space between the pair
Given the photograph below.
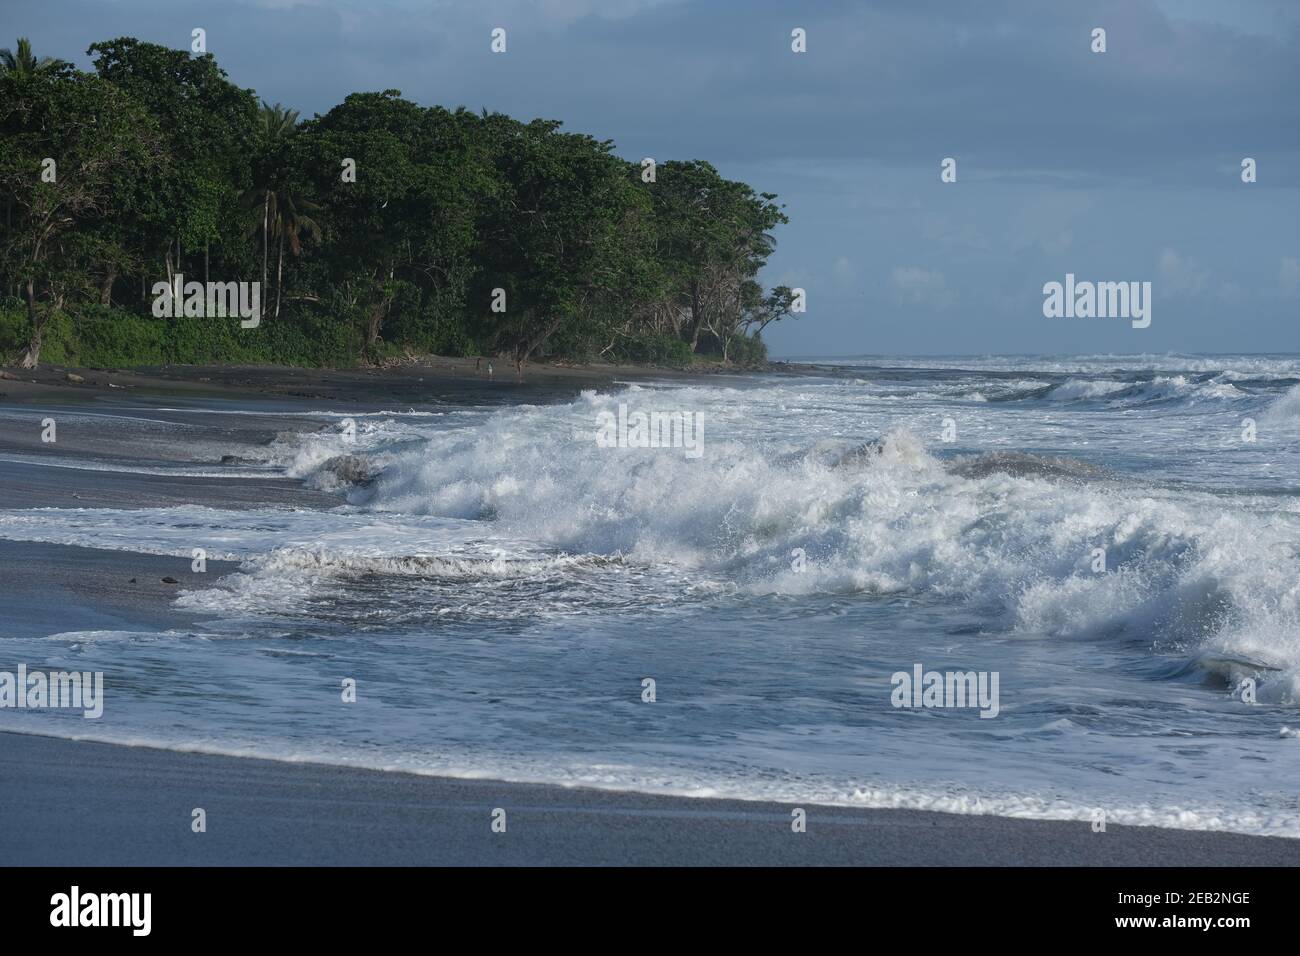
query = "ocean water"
x=504 y=586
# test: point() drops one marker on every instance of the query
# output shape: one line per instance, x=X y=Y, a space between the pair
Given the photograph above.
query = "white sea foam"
x=1186 y=568
x=1183 y=569
x=1286 y=409
x=1159 y=388
x=239 y=535
x=1076 y=389
x=1245 y=365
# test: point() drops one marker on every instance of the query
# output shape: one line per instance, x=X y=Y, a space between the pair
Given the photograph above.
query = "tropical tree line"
x=379 y=228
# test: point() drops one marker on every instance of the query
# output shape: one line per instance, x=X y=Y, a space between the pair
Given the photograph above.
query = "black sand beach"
x=434 y=379
x=90 y=804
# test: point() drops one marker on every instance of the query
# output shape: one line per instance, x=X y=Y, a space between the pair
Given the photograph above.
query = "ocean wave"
x=448 y=567
x=1286 y=409
x=1076 y=389
x=1158 y=389
x=1253 y=366
x=1012 y=535
x=1183 y=572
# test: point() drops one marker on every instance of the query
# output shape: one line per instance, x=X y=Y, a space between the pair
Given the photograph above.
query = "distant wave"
x=1264 y=366
x=1161 y=388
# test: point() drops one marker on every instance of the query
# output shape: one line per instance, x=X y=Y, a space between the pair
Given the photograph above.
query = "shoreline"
x=431 y=379
x=271 y=812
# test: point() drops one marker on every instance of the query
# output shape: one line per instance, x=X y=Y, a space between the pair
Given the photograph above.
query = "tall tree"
x=401 y=231
x=23 y=63
x=209 y=125
x=559 y=232
x=292 y=223
x=714 y=234
x=284 y=209
x=68 y=139
x=445 y=209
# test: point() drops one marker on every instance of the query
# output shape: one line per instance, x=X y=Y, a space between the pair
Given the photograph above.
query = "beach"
x=500 y=627
x=71 y=803
x=438 y=379
x=641 y=434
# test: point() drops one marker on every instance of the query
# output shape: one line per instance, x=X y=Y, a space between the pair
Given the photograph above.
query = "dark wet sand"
x=432 y=380
x=86 y=804
x=54 y=588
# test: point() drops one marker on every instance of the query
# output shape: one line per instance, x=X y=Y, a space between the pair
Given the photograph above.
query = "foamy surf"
x=505 y=583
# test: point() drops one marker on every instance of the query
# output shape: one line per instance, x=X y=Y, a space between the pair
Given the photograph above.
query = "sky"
x=1115 y=166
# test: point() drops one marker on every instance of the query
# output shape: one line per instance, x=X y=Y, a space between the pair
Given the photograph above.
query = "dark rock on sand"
x=350 y=469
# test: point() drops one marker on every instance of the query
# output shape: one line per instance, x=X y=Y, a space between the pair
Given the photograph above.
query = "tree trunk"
x=106 y=287
x=32 y=356
x=697 y=315
x=266 y=225
x=377 y=313
x=279 y=275
x=528 y=346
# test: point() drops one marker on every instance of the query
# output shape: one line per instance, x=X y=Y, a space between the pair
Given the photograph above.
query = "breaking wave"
x=1159 y=389
x=1017 y=536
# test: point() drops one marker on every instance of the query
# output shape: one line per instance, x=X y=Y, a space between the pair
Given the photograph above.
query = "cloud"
x=1288 y=276
x=569 y=10
x=914 y=285
x=1180 y=275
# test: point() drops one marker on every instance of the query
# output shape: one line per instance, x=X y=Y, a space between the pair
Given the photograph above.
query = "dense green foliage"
x=459 y=234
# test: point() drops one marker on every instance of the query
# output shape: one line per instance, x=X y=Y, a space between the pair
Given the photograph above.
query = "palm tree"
x=276 y=125
x=24 y=64
x=291 y=220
